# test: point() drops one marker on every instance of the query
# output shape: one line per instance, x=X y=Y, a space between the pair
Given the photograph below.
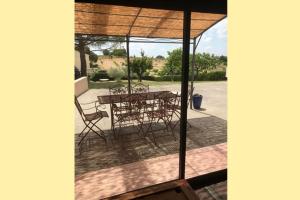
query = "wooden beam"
x=205 y=6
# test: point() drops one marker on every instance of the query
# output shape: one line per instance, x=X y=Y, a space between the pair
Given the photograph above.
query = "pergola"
x=160 y=19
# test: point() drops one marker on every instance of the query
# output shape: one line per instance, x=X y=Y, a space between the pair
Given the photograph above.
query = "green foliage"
x=211 y=76
x=140 y=65
x=205 y=76
x=205 y=62
x=160 y=57
x=106 y=52
x=118 y=52
x=82 y=43
x=173 y=64
x=223 y=60
x=93 y=57
x=98 y=74
x=116 y=73
x=93 y=65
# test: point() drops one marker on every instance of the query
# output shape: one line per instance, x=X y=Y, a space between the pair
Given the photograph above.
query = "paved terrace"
x=132 y=162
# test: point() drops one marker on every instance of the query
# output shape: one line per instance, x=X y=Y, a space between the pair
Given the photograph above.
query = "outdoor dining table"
x=116 y=98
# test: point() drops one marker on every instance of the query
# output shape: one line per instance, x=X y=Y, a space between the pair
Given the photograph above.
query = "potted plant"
x=197 y=100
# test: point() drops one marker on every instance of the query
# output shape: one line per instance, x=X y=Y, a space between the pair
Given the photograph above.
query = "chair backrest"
x=118 y=89
x=78 y=106
x=139 y=88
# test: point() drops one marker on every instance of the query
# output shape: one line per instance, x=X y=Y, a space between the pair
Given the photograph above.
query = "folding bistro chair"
x=128 y=112
x=178 y=107
x=90 y=120
x=162 y=108
x=139 y=88
x=118 y=89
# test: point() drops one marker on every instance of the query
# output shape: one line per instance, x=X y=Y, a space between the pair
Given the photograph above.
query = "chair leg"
x=102 y=135
x=90 y=127
x=152 y=133
x=84 y=129
x=83 y=137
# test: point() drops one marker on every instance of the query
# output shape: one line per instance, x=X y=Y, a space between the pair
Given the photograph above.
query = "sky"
x=214 y=40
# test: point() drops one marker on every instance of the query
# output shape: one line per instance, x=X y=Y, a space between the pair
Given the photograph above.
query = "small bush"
x=212 y=76
x=149 y=78
x=206 y=76
x=93 y=65
x=99 y=74
x=116 y=73
x=118 y=52
x=168 y=78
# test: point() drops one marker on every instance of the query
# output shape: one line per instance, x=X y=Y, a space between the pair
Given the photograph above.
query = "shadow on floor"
x=130 y=147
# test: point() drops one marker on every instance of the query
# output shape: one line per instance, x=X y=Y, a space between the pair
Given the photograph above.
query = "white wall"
x=77 y=60
x=81 y=86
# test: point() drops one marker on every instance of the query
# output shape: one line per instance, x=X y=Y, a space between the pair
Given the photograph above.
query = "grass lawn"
x=108 y=84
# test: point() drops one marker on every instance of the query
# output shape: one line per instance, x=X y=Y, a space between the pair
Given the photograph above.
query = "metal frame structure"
x=205 y=6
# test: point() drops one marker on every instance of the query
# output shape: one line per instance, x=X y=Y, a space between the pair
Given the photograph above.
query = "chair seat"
x=96 y=115
x=157 y=113
x=128 y=116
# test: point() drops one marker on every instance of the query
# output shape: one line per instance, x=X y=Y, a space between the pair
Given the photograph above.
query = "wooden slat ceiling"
x=111 y=20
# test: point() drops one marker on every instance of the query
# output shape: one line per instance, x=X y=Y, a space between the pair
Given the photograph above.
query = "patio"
x=128 y=162
x=130 y=156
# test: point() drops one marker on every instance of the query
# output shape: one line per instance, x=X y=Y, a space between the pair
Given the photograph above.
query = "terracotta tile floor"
x=213 y=192
x=116 y=180
x=130 y=148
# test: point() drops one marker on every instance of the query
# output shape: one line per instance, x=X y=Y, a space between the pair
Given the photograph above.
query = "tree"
x=92 y=57
x=160 y=57
x=140 y=65
x=119 y=52
x=205 y=62
x=106 y=52
x=223 y=60
x=83 y=41
x=173 y=63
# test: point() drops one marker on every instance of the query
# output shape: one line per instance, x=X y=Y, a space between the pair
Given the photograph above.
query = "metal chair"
x=91 y=119
x=139 y=88
x=178 y=107
x=162 y=109
x=128 y=112
x=118 y=89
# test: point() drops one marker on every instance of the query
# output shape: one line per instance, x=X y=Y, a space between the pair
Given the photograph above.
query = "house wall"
x=77 y=60
x=81 y=86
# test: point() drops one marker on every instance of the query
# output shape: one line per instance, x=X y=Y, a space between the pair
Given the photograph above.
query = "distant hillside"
x=106 y=62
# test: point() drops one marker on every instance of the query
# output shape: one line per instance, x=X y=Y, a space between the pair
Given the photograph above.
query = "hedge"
x=101 y=74
x=210 y=76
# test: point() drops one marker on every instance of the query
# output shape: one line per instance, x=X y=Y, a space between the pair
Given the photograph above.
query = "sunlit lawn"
x=108 y=84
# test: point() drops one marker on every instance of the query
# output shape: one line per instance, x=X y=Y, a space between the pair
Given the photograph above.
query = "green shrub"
x=93 y=65
x=99 y=74
x=216 y=76
x=149 y=78
x=206 y=76
x=116 y=73
x=106 y=52
x=118 y=52
x=212 y=76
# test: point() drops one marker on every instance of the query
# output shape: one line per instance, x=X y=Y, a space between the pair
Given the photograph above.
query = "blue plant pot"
x=197 y=100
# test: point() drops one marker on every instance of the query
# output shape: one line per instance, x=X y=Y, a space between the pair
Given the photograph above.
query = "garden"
x=207 y=67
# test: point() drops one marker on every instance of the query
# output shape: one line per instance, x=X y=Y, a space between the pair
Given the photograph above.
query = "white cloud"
x=221 y=29
x=207 y=47
x=206 y=39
